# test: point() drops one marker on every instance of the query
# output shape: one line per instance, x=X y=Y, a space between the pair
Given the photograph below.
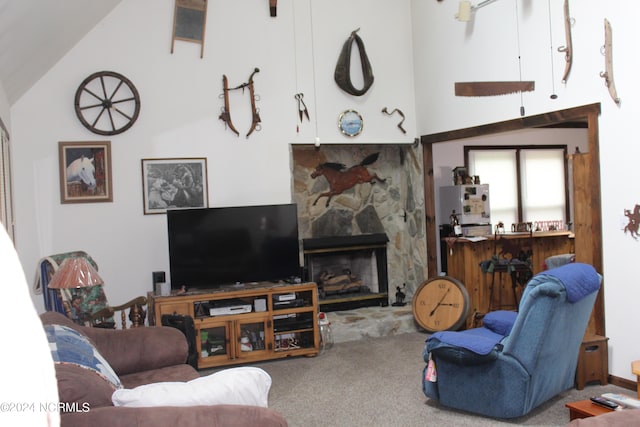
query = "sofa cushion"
x=235 y=386
x=68 y=346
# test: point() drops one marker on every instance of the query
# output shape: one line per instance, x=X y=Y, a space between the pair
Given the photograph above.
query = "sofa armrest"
x=140 y=349
x=624 y=418
x=131 y=350
x=171 y=416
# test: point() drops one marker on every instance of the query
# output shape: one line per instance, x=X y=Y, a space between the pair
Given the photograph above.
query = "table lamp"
x=75 y=273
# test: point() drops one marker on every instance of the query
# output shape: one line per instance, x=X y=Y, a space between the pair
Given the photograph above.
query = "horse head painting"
x=341 y=178
x=82 y=170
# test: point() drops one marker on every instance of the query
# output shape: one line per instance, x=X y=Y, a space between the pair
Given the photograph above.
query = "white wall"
x=180 y=105
x=486 y=49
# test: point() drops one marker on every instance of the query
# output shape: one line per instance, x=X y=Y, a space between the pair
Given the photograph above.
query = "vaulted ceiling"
x=36 y=34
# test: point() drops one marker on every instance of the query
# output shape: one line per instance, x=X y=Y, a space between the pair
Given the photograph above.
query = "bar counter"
x=464 y=256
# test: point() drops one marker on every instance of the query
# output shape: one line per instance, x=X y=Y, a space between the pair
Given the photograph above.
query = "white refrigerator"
x=471 y=204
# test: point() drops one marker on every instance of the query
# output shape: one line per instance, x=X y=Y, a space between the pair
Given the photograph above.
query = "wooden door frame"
x=582 y=116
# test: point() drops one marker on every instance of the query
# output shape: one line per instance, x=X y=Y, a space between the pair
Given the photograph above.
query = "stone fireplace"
x=336 y=232
x=351 y=271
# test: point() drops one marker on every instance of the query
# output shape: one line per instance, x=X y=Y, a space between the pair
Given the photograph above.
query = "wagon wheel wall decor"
x=107 y=103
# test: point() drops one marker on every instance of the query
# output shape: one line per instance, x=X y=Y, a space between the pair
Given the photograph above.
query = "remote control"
x=604 y=402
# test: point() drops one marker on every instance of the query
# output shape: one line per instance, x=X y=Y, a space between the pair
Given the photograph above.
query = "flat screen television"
x=212 y=247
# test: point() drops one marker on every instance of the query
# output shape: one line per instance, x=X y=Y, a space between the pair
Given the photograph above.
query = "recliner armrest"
x=470 y=347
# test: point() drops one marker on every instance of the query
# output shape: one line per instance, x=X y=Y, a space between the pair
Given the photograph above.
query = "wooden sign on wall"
x=189 y=22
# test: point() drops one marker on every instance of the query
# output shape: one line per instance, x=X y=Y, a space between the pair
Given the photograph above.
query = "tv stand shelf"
x=247 y=323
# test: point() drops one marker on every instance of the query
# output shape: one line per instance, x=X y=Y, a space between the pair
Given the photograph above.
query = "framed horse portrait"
x=174 y=184
x=85 y=172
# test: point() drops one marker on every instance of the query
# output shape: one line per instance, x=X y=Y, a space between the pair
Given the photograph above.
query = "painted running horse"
x=341 y=178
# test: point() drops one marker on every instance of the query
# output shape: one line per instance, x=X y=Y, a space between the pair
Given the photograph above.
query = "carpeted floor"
x=377 y=382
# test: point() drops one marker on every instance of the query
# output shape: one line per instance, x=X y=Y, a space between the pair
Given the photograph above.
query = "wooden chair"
x=89 y=305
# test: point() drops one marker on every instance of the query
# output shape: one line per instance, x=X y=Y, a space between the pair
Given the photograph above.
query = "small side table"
x=585 y=409
x=593 y=361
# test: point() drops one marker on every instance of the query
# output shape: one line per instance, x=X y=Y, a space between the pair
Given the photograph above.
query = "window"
x=526 y=184
x=6 y=205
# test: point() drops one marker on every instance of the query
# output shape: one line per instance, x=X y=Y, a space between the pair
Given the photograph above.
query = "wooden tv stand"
x=247 y=323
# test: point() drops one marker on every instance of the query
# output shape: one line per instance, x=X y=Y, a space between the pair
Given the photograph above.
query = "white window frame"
x=517 y=209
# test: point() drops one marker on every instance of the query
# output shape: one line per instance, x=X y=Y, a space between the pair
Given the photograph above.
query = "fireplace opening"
x=350 y=271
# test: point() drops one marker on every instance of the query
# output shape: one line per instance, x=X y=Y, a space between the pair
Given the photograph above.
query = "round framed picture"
x=350 y=122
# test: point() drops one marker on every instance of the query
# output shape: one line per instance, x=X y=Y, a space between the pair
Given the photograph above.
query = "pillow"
x=69 y=346
x=235 y=386
x=500 y=321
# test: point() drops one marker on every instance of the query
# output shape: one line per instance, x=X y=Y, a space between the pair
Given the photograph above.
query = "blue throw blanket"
x=578 y=279
x=478 y=340
x=71 y=347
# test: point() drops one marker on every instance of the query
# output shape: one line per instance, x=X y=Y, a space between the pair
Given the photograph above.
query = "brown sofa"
x=624 y=418
x=141 y=356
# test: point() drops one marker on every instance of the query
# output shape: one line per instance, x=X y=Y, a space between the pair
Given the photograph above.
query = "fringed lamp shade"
x=75 y=273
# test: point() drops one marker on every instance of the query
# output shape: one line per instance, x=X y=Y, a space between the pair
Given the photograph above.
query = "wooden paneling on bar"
x=463 y=263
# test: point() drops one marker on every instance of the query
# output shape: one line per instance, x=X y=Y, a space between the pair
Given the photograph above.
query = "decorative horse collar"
x=343 y=67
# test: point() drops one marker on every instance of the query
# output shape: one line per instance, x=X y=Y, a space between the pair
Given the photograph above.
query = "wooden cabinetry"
x=593 y=361
x=463 y=263
x=249 y=323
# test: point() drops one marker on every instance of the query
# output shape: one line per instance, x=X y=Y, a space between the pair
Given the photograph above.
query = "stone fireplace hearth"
x=392 y=205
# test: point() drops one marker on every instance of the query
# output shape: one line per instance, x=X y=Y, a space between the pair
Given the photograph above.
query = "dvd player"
x=230 y=307
x=234 y=309
x=298 y=302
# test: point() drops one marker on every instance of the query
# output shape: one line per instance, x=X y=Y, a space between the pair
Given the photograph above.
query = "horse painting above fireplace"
x=341 y=178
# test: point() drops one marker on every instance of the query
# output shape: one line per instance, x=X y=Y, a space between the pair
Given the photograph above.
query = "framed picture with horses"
x=85 y=172
x=174 y=184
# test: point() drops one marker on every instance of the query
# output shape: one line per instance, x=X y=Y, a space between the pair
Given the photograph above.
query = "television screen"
x=222 y=246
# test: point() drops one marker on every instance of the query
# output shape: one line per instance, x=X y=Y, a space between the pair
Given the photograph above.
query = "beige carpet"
x=377 y=382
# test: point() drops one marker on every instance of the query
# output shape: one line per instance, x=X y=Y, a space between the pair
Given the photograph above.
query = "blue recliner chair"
x=515 y=361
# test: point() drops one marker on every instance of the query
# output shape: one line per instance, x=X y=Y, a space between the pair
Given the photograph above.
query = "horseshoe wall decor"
x=343 y=67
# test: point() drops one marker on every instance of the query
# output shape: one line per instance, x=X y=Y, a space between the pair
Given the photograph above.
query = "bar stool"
x=513 y=255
